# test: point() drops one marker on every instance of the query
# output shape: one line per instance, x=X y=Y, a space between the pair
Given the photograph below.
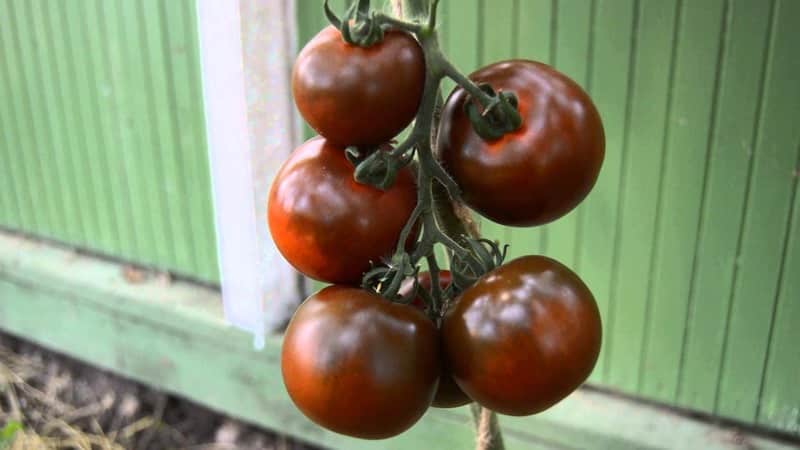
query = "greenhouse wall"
x=690 y=240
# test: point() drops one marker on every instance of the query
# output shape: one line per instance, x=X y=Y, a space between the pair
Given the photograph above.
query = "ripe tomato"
x=326 y=224
x=359 y=95
x=542 y=170
x=358 y=364
x=448 y=394
x=523 y=337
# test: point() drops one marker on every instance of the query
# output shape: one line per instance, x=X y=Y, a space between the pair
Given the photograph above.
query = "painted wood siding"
x=102 y=140
x=691 y=238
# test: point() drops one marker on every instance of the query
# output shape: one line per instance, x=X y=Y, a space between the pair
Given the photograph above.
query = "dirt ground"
x=49 y=401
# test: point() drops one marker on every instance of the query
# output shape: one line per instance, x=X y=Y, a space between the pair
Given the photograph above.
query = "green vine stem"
x=438 y=195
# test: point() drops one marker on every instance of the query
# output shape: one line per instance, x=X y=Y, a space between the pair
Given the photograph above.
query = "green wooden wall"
x=102 y=139
x=691 y=238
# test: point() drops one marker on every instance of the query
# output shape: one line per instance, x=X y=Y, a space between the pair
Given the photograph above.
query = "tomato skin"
x=523 y=337
x=359 y=95
x=538 y=172
x=358 y=364
x=327 y=225
x=448 y=394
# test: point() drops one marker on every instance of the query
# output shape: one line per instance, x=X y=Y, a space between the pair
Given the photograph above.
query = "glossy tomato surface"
x=523 y=337
x=448 y=394
x=326 y=224
x=359 y=95
x=542 y=170
x=358 y=364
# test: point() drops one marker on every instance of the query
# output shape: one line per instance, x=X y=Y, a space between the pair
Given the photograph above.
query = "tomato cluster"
x=519 y=337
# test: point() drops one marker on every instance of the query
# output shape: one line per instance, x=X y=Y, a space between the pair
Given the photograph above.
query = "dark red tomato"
x=359 y=95
x=523 y=337
x=326 y=224
x=448 y=394
x=542 y=170
x=358 y=364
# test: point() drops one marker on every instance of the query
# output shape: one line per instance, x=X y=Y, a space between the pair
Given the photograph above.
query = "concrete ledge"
x=172 y=336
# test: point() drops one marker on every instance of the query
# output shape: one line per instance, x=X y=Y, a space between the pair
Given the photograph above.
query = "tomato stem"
x=433 y=213
x=438 y=188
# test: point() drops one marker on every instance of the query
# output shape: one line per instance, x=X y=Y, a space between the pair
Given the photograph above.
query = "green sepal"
x=498 y=118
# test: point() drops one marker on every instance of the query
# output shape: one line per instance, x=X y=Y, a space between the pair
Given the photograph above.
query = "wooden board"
x=172 y=336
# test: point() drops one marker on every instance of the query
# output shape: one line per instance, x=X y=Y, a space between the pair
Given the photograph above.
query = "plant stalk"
x=442 y=206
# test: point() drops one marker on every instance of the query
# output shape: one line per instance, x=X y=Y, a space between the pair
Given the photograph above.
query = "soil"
x=50 y=401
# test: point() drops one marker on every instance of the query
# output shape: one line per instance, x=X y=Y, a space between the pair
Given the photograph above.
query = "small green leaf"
x=8 y=431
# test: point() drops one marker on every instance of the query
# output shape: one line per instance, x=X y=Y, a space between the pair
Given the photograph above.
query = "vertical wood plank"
x=187 y=116
x=46 y=79
x=463 y=40
x=692 y=122
x=210 y=266
x=741 y=82
x=497 y=44
x=164 y=126
x=651 y=89
x=611 y=81
x=443 y=27
x=18 y=216
x=32 y=197
x=534 y=20
x=88 y=63
x=149 y=200
x=70 y=156
x=779 y=401
x=573 y=22
x=765 y=224
x=79 y=60
x=107 y=88
x=70 y=105
x=37 y=120
x=9 y=209
x=122 y=111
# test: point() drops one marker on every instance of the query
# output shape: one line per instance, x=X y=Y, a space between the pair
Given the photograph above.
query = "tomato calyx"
x=378 y=168
x=488 y=255
x=359 y=27
x=386 y=280
x=364 y=28
x=499 y=117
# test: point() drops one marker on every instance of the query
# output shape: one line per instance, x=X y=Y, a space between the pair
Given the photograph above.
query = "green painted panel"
x=85 y=112
x=535 y=24
x=572 y=56
x=692 y=113
x=13 y=201
x=173 y=337
x=783 y=357
x=651 y=90
x=71 y=150
x=186 y=99
x=23 y=163
x=54 y=122
x=610 y=86
x=496 y=43
x=689 y=237
x=765 y=228
x=35 y=121
x=103 y=144
x=725 y=186
x=107 y=118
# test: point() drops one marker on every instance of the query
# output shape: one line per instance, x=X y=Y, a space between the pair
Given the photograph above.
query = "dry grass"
x=61 y=404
